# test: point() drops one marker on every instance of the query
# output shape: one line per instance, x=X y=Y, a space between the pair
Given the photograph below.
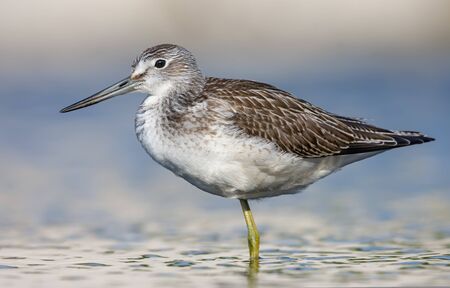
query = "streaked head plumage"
x=164 y=64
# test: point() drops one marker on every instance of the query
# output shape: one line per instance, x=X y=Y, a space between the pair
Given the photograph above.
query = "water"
x=203 y=250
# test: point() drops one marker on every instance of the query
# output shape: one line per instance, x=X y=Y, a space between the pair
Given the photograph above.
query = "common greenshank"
x=240 y=139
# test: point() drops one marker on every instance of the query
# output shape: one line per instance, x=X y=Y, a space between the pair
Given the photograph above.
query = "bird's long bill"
x=122 y=87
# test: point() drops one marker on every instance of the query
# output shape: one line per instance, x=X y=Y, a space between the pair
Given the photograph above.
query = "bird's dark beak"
x=122 y=87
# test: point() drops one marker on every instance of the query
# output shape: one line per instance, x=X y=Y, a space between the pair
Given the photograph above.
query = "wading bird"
x=240 y=139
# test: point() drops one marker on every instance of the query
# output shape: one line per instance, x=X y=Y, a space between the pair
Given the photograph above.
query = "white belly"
x=230 y=165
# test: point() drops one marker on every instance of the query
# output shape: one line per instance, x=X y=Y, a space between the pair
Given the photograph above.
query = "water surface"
x=203 y=250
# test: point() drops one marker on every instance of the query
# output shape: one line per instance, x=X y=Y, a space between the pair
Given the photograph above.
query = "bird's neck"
x=181 y=100
x=190 y=92
x=175 y=99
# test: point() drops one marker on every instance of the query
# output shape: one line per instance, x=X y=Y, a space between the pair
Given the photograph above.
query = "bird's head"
x=158 y=70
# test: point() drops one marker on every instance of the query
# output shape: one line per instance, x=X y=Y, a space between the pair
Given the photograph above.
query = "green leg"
x=253 y=235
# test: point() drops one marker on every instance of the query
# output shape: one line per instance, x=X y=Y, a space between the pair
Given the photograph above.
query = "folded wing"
x=299 y=127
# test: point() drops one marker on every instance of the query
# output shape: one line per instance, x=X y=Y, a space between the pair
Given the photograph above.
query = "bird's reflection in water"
x=252 y=273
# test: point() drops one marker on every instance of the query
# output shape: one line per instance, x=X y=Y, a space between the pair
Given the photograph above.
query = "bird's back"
x=296 y=126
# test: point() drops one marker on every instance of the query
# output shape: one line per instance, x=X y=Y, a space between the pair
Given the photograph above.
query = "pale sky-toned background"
x=386 y=61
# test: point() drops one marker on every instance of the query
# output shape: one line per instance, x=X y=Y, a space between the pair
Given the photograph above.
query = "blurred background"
x=385 y=61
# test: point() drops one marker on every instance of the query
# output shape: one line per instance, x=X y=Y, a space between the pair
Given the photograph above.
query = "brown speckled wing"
x=296 y=126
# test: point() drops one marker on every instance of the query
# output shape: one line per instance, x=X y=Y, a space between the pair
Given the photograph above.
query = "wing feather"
x=296 y=126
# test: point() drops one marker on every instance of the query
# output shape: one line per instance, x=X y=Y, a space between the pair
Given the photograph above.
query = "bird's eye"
x=160 y=63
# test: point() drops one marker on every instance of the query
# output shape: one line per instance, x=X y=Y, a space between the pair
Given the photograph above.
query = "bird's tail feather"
x=406 y=138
